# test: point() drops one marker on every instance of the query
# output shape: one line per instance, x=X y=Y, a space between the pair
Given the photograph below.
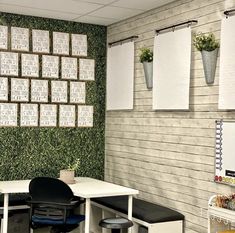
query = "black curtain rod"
x=228 y=12
x=176 y=25
x=119 y=41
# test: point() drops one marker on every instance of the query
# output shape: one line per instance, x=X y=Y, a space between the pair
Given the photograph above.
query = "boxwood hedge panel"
x=30 y=152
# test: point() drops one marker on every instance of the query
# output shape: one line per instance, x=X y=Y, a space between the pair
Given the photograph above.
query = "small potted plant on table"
x=208 y=46
x=146 y=58
x=67 y=175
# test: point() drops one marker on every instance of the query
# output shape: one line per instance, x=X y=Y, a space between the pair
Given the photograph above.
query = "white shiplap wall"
x=169 y=156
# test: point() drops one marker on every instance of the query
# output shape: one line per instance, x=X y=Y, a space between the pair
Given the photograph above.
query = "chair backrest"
x=50 y=190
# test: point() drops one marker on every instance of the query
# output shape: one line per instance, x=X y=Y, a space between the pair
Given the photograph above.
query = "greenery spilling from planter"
x=146 y=55
x=31 y=152
x=206 y=42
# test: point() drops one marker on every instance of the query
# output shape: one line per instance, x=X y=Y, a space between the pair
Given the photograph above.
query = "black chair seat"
x=116 y=223
x=143 y=210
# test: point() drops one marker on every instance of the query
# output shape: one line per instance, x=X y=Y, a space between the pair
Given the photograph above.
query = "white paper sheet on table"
x=227 y=65
x=120 y=77
x=171 y=70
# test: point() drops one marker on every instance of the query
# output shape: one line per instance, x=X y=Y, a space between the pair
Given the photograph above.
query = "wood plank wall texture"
x=169 y=156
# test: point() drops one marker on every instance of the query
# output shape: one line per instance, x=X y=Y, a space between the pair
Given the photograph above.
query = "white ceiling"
x=103 y=12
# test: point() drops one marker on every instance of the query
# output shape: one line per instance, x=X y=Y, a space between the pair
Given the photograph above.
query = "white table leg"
x=130 y=207
x=87 y=215
x=5 y=212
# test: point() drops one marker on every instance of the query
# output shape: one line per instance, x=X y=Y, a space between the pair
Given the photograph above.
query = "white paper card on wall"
x=79 y=45
x=77 y=92
x=29 y=65
x=28 y=115
x=87 y=69
x=3 y=37
x=85 y=116
x=59 y=92
x=41 y=42
x=19 y=90
x=19 y=39
x=39 y=91
x=3 y=89
x=50 y=66
x=171 y=75
x=69 y=68
x=227 y=65
x=120 y=77
x=9 y=63
x=48 y=115
x=67 y=116
x=8 y=114
x=61 y=43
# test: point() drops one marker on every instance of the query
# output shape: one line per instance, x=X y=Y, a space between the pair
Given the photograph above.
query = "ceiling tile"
x=102 y=12
x=37 y=12
x=102 y=2
x=68 y=6
x=115 y=12
x=95 y=20
x=140 y=4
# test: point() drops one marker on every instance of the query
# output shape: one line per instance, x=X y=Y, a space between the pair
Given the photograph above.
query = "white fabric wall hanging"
x=171 y=70
x=120 y=77
x=227 y=65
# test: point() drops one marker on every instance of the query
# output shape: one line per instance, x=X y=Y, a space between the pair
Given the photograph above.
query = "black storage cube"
x=143 y=229
x=18 y=221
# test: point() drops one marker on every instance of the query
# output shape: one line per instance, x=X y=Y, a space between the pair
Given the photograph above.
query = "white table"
x=84 y=187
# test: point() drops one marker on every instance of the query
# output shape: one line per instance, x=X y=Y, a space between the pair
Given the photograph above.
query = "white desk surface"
x=14 y=186
x=89 y=188
x=84 y=187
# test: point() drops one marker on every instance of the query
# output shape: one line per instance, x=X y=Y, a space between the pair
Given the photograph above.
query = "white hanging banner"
x=120 y=77
x=171 y=70
x=227 y=65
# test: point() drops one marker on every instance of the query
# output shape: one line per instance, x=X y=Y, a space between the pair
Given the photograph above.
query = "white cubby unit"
x=219 y=219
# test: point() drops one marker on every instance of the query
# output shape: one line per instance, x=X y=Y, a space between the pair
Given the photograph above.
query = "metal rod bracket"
x=188 y=23
x=122 y=40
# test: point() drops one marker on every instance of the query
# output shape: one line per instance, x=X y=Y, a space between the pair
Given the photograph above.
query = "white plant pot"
x=67 y=176
x=148 y=73
x=209 y=59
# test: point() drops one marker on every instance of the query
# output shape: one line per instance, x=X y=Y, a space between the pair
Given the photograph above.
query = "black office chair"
x=52 y=203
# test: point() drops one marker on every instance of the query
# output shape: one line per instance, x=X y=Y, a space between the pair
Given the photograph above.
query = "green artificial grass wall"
x=31 y=152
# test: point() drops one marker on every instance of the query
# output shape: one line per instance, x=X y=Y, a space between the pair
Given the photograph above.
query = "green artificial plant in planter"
x=146 y=57
x=67 y=175
x=208 y=46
